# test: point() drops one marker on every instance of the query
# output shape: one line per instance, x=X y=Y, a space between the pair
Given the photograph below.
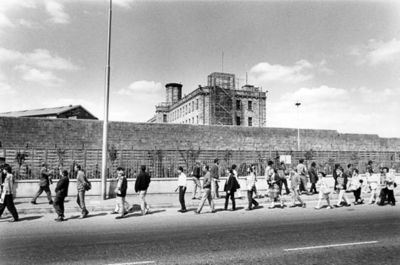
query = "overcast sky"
x=340 y=59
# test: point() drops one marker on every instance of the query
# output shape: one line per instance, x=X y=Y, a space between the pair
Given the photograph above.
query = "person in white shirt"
x=324 y=190
x=251 y=185
x=182 y=189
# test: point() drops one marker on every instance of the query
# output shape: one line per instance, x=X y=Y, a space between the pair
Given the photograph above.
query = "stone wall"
x=164 y=147
x=85 y=134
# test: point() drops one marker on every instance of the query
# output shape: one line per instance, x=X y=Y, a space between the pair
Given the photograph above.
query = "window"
x=193 y=106
x=238 y=104
x=250 y=103
x=237 y=120
x=197 y=104
x=189 y=107
x=164 y=117
x=193 y=120
x=250 y=121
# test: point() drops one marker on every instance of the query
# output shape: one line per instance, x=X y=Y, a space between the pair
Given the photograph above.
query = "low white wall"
x=28 y=188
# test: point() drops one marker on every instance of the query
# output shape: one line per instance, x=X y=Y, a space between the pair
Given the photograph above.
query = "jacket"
x=207 y=181
x=8 y=185
x=313 y=175
x=231 y=184
x=341 y=182
x=81 y=180
x=122 y=186
x=62 y=187
x=214 y=172
x=44 y=177
x=142 y=181
x=251 y=181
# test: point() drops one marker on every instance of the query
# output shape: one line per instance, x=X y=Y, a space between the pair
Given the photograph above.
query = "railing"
x=164 y=163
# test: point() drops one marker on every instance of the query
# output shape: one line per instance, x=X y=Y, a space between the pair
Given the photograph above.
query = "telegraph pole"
x=106 y=106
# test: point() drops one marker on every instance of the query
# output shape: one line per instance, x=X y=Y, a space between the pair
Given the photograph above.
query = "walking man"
x=44 y=184
x=82 y=185
x=206 y=192
x=282 y=175
x=141 y=185
x=251 y=186
x=295 y=181
x=302 y=171
x=196 y=174
x=214 y=172
x=61 y=193
x=182 y=189
x=313 y=178
x=122 y=186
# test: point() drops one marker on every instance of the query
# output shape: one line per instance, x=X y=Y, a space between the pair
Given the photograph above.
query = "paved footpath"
x=156 y=201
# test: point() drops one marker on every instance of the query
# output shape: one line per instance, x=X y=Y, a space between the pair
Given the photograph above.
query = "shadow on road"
x=156 y=211
x=94 y=215
x=30 y=218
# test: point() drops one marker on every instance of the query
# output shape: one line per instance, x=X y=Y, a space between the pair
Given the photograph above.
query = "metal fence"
x=164 y=163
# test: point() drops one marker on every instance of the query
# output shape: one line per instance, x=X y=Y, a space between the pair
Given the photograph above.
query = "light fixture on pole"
x=106 y=105
x=298 y=126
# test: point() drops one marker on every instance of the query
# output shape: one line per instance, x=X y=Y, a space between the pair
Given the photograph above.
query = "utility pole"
x=106 y=106
x=298 y=126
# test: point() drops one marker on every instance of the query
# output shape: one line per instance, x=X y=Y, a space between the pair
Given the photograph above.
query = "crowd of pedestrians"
x=278 y=180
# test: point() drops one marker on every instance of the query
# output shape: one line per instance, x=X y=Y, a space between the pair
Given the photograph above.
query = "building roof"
x=42 y=112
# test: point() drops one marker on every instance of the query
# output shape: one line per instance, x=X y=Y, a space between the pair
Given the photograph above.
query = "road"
x=354 y=235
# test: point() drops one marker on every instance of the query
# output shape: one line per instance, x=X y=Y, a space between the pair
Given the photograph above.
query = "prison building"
x=218 y=103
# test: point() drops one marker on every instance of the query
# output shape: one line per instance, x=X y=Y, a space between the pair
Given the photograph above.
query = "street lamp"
x=106 y=105
x=298 y=126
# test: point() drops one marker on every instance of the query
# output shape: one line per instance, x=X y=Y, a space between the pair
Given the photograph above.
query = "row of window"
x=184 y=110
x=249 y=121
x=239 y=105
x=188 y=121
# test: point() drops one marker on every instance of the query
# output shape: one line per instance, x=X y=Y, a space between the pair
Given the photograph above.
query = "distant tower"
x=223 y=80
x=174 y=93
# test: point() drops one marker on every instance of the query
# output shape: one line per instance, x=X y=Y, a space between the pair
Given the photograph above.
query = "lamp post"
x=106 y=105
x=298 y=126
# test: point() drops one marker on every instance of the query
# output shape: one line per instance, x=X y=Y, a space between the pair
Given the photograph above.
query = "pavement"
x=350 y=235
x=155 y=201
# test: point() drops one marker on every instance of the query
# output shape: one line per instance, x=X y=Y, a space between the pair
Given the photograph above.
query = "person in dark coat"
x=313 y=177
x=231 y=186
x=141 y=185
x=44 y=184
x=61 y=193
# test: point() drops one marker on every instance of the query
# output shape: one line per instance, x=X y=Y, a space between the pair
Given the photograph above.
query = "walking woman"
x=182 y=189
x=235 y=174
x=251 y=186
x=341 y=187
x=231 y=186
x=324 y=190
x=6 y=199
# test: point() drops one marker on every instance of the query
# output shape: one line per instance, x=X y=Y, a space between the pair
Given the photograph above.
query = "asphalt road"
x=354 y=235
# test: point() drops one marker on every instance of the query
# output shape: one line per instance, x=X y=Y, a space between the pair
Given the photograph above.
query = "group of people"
x=278 y=179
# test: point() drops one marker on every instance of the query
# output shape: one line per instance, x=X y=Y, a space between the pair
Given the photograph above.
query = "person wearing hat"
x=44 y=184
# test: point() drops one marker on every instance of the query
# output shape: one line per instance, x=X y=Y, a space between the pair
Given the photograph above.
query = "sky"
x=339 y=59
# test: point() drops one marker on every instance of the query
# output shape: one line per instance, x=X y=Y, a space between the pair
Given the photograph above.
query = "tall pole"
x=106 y=105
x=298 y=126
